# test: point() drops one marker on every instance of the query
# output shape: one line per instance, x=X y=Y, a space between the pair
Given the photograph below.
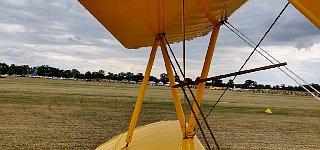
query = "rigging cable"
x=246 y=41
x=183 y=41
x=255 y=48
x=193 y=96
x=175 y=71
x=184 y=64
x=197 y=104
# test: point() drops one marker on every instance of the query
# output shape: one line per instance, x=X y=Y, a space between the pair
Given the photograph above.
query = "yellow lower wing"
x=164 y=135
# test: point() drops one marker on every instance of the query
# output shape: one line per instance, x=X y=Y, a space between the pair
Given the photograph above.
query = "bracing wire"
x=183 y=41
x=175 y=71
x=193 y=96
x=233 y=29
x=184 y=62
x=242 y=36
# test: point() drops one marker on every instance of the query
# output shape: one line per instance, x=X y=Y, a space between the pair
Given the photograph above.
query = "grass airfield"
x=60 y=114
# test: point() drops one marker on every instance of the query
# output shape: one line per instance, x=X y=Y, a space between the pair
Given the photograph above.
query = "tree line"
x=250 y=84
x=46 y=70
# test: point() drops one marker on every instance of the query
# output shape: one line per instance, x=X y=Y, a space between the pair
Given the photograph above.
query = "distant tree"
x=129 y=75
x=260 y=86
x=12 y=69
x=101 y=73
x=95 y=75
x=277 y=87
x=20 y=70
x=46 y=70
x=60 y=73
x=283 y=86
x=316 y=86
x=250 y=84
x=116 y=77
x=138 y=77
x=98 y=75
x=55 y=72
x=81 y=76
x=88 y=75
x=289 y=88
x=121 y=75
x=68 y=74
x=230 y=83
x=299 y=88
x=109 y=76
x=43 y=70
x=4 y=68
x=153 y=78
x=217 y=83
x=25 y=69
x=75 y=73
x=267 y=86
x=164 y=78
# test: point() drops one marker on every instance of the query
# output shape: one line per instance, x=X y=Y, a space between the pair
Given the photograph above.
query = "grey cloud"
x=13 y=52
x=63 y=34
x=291 y=29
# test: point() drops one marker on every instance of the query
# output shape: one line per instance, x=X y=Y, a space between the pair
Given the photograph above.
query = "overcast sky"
x=62 y=34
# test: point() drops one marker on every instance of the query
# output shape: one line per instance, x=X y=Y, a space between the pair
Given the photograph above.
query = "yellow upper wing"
x=309 y=8
x=135 y=23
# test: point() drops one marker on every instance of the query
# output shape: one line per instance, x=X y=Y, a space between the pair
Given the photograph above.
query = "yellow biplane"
x=143 y=23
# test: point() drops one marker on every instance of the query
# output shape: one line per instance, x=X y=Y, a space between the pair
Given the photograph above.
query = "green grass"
x=56 y=114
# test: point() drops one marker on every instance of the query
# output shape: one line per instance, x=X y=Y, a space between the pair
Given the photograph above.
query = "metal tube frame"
x=204 y=74
x=174 y=91
x=142 y=91
x=144 y=84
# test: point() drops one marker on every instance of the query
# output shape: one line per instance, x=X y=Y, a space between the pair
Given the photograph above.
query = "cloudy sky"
x=62 y=34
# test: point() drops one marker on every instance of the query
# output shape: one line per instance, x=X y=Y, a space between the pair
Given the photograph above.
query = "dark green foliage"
x=46 y=70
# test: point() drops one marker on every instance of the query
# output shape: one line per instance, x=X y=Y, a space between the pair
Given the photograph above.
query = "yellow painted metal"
x=210 y=15
x=174 y=91
x=135 y=23
x=143 y=87
x=164 y=135
x=204 y=74
x=160 y=4
x=309 y=8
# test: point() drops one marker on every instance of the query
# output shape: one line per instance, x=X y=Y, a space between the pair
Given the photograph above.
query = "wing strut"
x=143 y=87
